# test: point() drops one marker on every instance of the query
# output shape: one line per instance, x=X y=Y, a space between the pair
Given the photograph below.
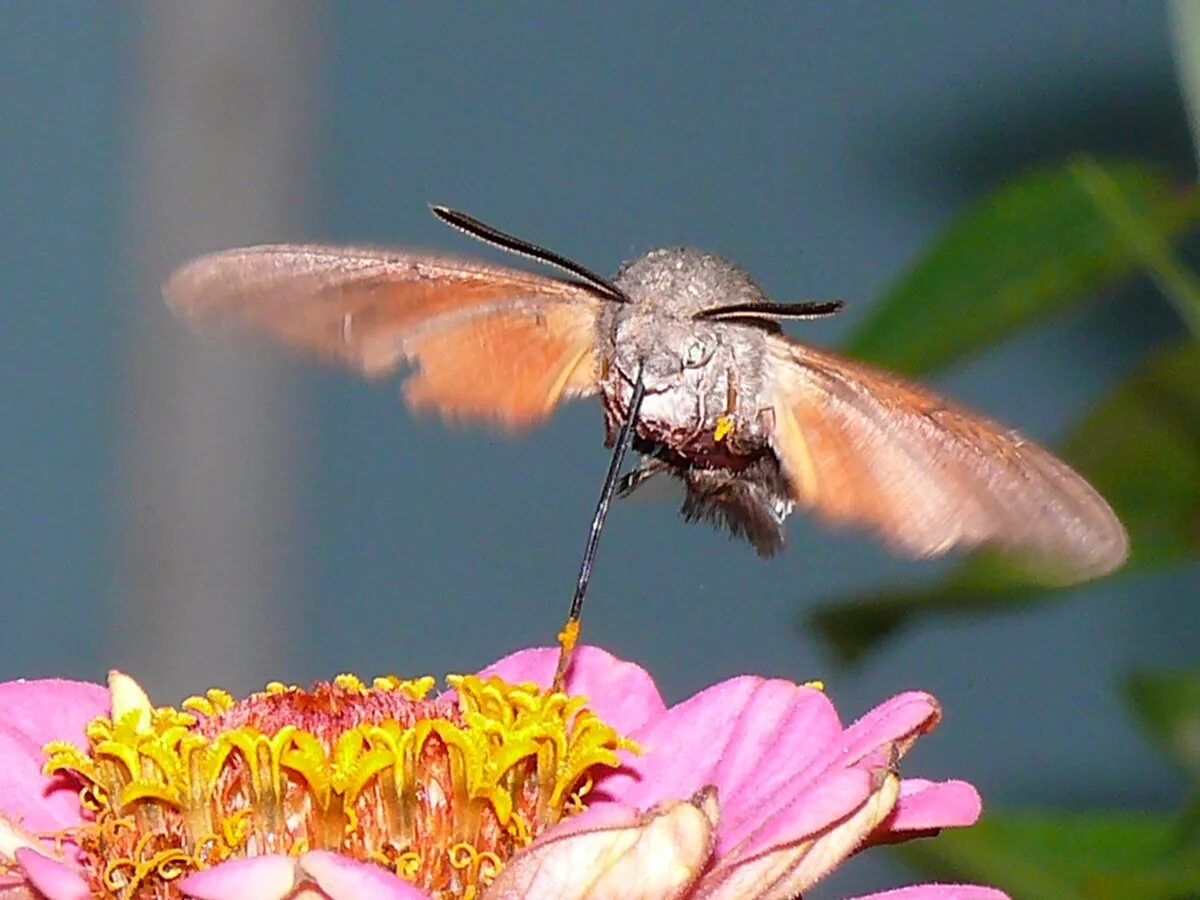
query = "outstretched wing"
x=490 y=343
x=863 y=447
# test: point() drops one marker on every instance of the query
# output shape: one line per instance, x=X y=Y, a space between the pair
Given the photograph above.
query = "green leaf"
x=1168 y=706
x=1140 y=448
x=1033 y=247
x=1066 y=856
x=1146 y=241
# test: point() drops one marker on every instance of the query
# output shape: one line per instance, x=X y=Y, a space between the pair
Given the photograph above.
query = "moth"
x=753 y=423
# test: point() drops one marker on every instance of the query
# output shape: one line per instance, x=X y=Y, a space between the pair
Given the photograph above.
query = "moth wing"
x=863 y=447
x=490 y=343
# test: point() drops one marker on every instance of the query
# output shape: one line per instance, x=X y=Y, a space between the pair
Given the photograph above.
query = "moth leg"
x=648 y=467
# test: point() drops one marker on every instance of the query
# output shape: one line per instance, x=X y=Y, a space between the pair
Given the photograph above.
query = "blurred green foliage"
x=1167 y=704
x=1036 y=246
x=1052 y=855
x=1046 y=241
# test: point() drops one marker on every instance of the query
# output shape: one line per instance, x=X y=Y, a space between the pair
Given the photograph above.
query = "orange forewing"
x=508 y=367
x=491 y=343
x=861 y=446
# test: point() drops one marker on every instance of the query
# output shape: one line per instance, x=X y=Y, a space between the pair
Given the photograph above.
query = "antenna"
x=807 y=309
x=483 y=232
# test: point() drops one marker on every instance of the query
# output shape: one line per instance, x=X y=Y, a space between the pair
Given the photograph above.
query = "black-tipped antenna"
x=569 y=635
x=497 y=238
x=809 y=309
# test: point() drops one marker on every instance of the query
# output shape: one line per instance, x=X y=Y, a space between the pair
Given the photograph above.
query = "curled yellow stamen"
x=441 y=791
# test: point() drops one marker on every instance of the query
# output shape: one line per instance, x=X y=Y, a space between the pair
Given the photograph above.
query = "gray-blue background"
x=821 y=145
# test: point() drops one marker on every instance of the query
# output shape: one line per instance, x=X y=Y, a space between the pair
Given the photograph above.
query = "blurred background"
x=199 y=512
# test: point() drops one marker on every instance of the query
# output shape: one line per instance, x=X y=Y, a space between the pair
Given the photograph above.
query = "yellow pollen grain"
x=724 y=426
x=569 y=636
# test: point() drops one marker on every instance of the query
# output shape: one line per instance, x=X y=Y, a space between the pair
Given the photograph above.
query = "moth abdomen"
x=752 y=504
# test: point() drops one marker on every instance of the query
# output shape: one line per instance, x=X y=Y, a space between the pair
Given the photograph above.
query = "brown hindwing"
x=863 y=447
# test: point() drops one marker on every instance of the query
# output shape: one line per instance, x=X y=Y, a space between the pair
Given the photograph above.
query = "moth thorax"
x=684 y=281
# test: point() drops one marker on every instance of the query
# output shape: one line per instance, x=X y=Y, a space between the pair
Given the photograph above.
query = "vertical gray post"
x=222 y=109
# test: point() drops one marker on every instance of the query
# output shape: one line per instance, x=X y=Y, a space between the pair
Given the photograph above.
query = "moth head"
x=665 y=348
x=680 y=299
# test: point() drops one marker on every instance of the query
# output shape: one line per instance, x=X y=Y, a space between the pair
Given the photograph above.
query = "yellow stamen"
x=440 y=790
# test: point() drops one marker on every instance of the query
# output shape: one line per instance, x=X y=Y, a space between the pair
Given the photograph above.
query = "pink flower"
x=751 y=788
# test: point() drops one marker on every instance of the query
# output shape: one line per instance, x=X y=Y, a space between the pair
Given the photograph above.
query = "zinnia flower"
x=496 y=789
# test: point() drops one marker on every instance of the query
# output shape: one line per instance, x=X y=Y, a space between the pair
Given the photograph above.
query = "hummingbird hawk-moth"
x=753 y=423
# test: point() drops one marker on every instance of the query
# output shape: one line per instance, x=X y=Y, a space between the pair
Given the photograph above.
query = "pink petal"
x=798 y=792
x=26 y=795
x=720 y=737
x=31 y=714
x=343 y=878
x=622 y=693
x=785 y=870
x=51 y=709
x=654 y=855
x=930 y=805
x=801 y=815
x=939 y=892
x=594 y=818
x=899 y=720
x=758 y=741
x=270 y=877
x=52 y=877
x=754 y=823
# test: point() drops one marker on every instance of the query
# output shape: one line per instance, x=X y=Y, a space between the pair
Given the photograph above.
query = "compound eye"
x=696 y=354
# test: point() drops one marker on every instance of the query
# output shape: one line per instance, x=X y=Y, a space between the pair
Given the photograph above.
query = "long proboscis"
x=570 y=632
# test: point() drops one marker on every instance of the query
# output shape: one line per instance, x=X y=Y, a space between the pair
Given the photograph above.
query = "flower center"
x=441 y=791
